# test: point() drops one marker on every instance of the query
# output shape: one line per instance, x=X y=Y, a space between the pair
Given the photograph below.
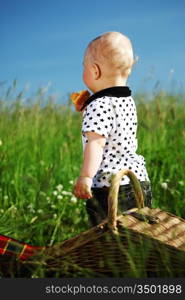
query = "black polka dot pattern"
x=114 y=118
x=97 y=118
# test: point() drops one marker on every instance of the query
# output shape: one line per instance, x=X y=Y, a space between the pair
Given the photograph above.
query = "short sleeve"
x=98 y=117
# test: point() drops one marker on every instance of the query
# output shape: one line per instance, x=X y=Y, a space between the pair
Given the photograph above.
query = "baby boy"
x=109 y=127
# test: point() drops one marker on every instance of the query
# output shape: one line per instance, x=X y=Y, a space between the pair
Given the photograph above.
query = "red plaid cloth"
x=12 y=247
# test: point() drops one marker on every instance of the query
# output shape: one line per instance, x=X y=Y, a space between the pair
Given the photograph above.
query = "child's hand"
x=82 y=188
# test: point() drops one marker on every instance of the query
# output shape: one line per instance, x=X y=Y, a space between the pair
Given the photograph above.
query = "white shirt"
x=112 y=114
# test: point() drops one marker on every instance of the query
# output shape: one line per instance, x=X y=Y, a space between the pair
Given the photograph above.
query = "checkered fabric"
x=12 y=247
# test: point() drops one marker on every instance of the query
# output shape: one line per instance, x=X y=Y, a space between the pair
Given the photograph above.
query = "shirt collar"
x=116 y=91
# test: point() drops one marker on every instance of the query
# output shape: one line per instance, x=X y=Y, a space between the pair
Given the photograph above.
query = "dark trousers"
x=97 y=207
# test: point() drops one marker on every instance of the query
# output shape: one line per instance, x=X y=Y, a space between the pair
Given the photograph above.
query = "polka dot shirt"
x=112 y=113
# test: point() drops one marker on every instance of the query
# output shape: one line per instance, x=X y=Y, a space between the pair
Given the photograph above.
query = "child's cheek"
x=87 y=77
x=84 y=76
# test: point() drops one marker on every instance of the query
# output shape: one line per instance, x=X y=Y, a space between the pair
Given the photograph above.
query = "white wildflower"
x=48 y=199
x=53 y=206
x=73 y=199
x=71 y=182
x=1 y=142
x=54 y=216
x=59 y=197
x=59 y=187
x=66 y=193
x=6 y=197
x=164 y=185
x=55 y=193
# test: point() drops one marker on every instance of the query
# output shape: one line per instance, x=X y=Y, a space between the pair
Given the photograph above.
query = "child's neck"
x=118 y=81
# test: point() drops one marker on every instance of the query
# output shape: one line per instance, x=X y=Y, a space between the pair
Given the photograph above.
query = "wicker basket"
x=141 y=242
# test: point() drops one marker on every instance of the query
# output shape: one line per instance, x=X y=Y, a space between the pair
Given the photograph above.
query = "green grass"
x=161 y=135
x=41 y=155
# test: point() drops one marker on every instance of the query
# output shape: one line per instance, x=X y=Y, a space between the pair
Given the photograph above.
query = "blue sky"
x=43 y=41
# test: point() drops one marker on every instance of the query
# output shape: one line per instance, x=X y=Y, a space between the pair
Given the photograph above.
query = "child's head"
x=107 y=58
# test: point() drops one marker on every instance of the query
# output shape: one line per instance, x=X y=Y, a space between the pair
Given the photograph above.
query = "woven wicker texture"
x=142 y=242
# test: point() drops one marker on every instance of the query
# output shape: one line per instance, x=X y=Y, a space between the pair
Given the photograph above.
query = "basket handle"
x=113 y=195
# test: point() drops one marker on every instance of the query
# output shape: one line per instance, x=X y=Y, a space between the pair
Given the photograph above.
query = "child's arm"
x=92 y=159
x=92 y=154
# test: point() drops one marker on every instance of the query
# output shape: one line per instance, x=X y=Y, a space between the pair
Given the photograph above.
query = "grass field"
x=41 y=154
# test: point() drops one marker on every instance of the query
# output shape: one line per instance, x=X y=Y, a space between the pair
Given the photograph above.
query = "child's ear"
x=96 y=71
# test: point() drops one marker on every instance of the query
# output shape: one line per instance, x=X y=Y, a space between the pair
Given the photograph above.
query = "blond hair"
x=114 y=50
